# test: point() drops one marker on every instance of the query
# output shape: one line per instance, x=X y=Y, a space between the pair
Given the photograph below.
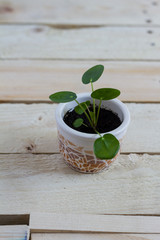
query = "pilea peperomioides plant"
x=105 y=146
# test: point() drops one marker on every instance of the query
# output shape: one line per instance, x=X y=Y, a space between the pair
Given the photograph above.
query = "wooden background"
x=45 y=46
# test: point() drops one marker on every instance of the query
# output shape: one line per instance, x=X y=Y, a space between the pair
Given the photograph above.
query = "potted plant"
x=90 y=125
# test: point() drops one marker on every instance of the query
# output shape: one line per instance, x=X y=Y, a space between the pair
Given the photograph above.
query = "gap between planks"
x=79 y=26
x=81 y=59
x=29 y=102
x=45 y=153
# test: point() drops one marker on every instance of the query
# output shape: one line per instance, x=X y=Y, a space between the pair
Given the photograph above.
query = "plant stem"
x=84 y=124
x=98 y=133
x=85 y=113
x=94 y=105
x=88 y=111
x=98 y=111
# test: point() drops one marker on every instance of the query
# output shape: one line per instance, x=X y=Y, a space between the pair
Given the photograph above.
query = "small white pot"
x=77 y=147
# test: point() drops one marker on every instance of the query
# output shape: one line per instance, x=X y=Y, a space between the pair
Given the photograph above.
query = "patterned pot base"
x=80 y=159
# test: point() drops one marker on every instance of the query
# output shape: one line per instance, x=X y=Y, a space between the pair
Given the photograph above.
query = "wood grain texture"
x=16 y=232
x=81 y=12
x=93 y=236
x=27 y=128
x=43 y=222
x=46 y=43
x=36 y=80
x=43 y=183
x=30 y=42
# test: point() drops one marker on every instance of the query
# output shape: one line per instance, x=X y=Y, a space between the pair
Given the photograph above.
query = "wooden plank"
x=46 y=222
x=36 y=80
x=106 y=43
x=16 y=232
x=27 y=128
x=147 y=236
x=92 y=236
x=43 y=183
x=80 y=12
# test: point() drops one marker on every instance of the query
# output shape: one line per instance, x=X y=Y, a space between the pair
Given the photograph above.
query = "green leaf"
x=105 y=93
x=87 y=103
x=84 y=105
x=92 y=74
x=62 y=97
x=78 y=122
x=106 y=147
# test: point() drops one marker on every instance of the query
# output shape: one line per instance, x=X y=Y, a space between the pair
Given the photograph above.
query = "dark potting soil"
x=107 y=121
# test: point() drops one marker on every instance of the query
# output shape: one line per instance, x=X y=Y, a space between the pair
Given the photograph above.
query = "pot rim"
x=61 y=106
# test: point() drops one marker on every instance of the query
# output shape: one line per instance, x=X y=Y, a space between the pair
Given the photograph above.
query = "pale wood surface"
x=43 y=183
x=43 y=222
x=122 y=12
x=36 y=80
x=93 y=236
x=16 y=232
x=27 y=128
x=116 y=43
x=45 y=46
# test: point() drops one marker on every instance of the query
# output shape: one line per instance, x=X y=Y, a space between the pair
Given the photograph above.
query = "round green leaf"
x=105 y=93
x=87 y=103
x=84 y=105
x=78 y=122
x=62 y=97
x=106 y=147
x=92 y=74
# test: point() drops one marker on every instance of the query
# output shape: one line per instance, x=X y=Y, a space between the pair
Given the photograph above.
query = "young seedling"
x=105 y=146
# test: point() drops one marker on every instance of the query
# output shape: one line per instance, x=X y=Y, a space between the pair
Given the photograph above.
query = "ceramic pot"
x=77 y=147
